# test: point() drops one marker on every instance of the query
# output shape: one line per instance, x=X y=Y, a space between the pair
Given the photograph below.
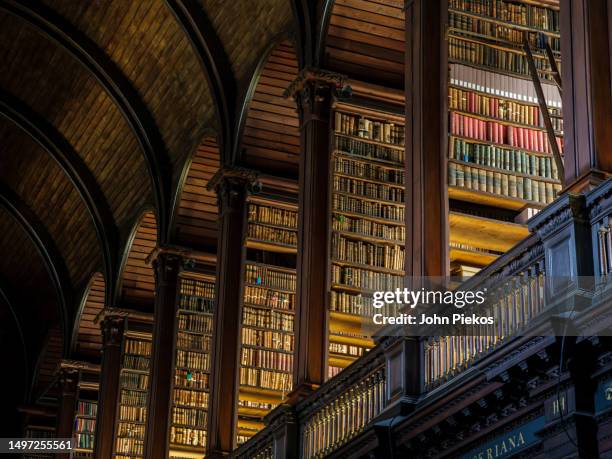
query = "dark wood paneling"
x=196 y=215
x=365 y=39
x=89 y=338
x=271 y=135
x=137 y=279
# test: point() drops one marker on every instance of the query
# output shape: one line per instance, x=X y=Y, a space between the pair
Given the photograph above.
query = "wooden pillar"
x=587 y=95
x=68 y=380
x=167 y=267
x=112 y=327
x=426 y=73
x=232 y=185
x=313 y=91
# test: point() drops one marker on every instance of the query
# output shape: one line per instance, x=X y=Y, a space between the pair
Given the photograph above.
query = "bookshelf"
x=133 y=392
x=39 y=432
x=367 y=223
x=268 y=311
x=85 y=415
x=191 y=385
x=499 y=158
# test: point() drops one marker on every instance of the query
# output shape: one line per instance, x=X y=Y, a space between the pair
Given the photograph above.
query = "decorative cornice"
x=237 y=174
x=314 y=75
x=78 y=365
x=569 y=207
x=185 y=253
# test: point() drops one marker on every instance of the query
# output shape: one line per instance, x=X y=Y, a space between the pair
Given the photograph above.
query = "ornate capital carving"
x=313 y=89
x=232 y=184
x=68 y=378
x=112 y=327
x=566 y=209
x=166 y=267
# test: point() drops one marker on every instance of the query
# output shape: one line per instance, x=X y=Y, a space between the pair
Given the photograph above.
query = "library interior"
x=198 y=200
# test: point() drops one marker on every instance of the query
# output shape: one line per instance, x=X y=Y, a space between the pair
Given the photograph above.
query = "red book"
x=489 y=132
x=483 y=130
x=511 y=136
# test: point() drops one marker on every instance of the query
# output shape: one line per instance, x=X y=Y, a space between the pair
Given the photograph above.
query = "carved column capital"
x=232 y=185
x=112 y=326
x=313 y=90
x=166 y=267
x=68 y=379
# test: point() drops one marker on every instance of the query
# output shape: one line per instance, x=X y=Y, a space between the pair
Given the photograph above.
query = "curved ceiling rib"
x=7 y=299
x=46 y=247
x=217 y=68
x=115 y=83
x=302 y=15
x=45 y=135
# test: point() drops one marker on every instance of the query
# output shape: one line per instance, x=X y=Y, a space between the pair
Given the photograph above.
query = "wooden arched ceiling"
x=52 y=198
x=365 y=39
x=88 y=339
x=195 y=219
x=271 y=136
x=137 y=279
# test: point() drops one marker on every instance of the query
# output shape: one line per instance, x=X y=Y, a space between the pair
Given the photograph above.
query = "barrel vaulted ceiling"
x=114 y=115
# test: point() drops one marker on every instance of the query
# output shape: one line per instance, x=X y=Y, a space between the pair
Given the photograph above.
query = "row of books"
x=472 y=248
x=368 y=228
x=267 y=379
x=134 y=381
x=333 y=371
x=522 y=14
x=85 y=408
x=137 y=347
x=268 y=339
x=368 y=171
x=494 y=58
x=267 y=318
x=491 y=131
x=359 y=305
x=196 y=304
x=268 y=297
x=188 y=397
x=192 y=341
x=465 y=176
x=273 y=215
x=363 y=278
x=133 y=397
x=195 y=323
x=361 y=149
x=130 y=446
x=258 y=405
x=348 y=349
x=384 y=256
x=191 y=379
x=281 y=361
x=360 y=126
x=271 y=234
x=85 y=425
x=367 y=208
x=494 y=107
x=193 y=360
x=269 y=277
x=503 y=158
x=501 y=32
x=84 y=440
x=507 y=86
x=129 y=429
x=136 y=362
x=194 y=287
x=368 y=189
x=192 y=416
x=133 y=413
x=188 y=437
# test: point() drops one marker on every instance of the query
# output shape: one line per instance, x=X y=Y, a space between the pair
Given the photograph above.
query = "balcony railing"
x=578 y=227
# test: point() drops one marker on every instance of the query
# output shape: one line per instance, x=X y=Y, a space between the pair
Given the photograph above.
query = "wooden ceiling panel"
x=145 y=41
x=197 y=213
x=54 y=84
x=138 y=280
x=246 y=28
x=271 y=135
x=366 y=39
x=42 y=185
x=89 y=337
x=48 y=362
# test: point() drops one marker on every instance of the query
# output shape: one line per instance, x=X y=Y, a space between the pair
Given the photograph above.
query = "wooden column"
x=587 y=95
x=112 y=327
x=232 y=185
x=313 y=91
x=167 y=267
x=68 y=380
x=426 y=73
